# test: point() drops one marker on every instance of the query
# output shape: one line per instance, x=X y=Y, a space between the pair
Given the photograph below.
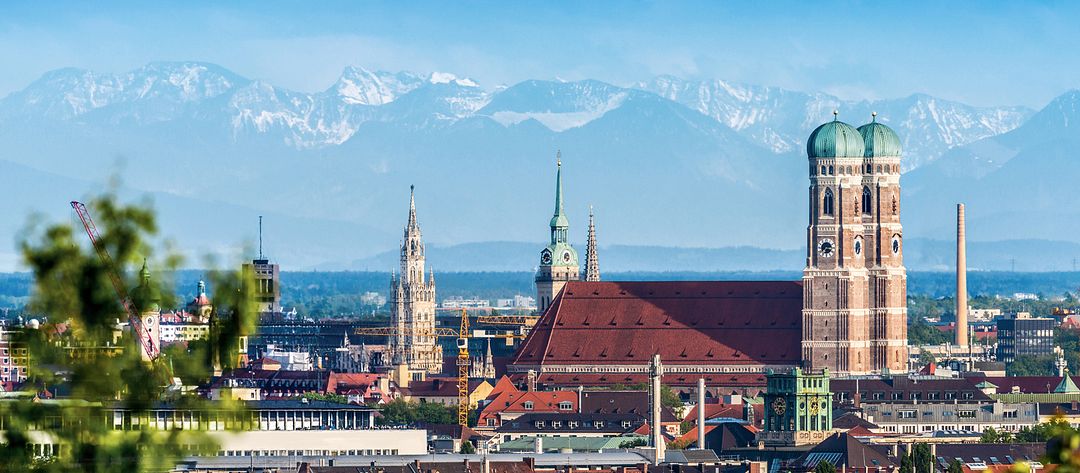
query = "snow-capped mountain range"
x=775 y=118
x=667 y=162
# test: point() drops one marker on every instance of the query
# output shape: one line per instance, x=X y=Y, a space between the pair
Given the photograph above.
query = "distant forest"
x=338 y=294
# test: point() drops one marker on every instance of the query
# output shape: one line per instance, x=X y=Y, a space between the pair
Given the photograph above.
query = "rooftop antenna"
x=260 y=238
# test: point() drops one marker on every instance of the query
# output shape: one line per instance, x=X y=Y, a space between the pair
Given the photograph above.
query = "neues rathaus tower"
x=412 y=305
x=854 y=284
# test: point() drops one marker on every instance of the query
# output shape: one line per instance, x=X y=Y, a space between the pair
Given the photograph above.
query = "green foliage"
x=922 y=333
x=328 y=397
x=1043 y=432
x=467 y=447
x=670 y=398
x=637 y=442
x=1063 y=448
x=955 y=467
x=685 y=426
x=1069 y=341
x=907 y=465
x=824 y=467
x=401 y=412
x=97 y=364
x=1030 y=365
x=926 y=358
x=922 y=458
x=679 y=444
x=990 y=435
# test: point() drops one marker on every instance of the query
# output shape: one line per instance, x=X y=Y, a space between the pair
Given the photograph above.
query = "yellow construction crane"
x=520 y=320
x=462 y=335
x=463 y=371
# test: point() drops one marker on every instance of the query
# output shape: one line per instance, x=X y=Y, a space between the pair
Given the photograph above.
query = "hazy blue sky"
x=977 y=52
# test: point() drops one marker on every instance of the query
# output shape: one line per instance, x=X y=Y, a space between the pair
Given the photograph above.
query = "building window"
x=966 y=414
x=907 y=414
x=566 y=405
x=528 y=405
x=866 y=200
x=556 y=424
x=827 y=203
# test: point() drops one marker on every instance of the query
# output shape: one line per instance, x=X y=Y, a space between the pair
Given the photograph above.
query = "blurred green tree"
x=81 y=349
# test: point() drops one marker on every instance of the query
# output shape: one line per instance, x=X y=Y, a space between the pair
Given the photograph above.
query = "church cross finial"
x=835 y=113
x=873 y=116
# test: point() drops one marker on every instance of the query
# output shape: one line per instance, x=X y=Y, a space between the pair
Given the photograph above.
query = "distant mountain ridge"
x=666 y=163
x=773 y=117
x=919 y=255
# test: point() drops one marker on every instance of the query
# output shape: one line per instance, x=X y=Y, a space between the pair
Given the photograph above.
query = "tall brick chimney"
x=961 y=279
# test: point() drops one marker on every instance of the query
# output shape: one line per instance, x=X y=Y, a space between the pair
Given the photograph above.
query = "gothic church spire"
x=592 y=263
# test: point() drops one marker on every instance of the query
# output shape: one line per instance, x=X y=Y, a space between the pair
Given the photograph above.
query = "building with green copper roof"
x=835 y=139
x=879 y=140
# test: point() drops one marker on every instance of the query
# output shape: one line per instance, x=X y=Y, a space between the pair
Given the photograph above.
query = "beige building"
x=412 y=307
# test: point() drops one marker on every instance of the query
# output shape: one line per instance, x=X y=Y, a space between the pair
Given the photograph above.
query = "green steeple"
x=1067 y=385
x=559 y=252
x=559 y=220
x=146 y=296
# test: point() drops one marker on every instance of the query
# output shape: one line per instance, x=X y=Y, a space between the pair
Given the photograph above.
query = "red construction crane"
x=145 y=340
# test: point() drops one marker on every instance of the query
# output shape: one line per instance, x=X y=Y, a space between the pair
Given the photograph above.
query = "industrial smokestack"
x=701 y=413
x=961 y=279
x=656 y=374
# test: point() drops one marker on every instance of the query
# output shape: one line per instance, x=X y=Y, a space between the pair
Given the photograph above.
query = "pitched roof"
x=541 y=401
x=842 y=449
x=713 y=411
x=1006 y=453
x=1026 y=384
x=618 y=402
x=1066 y=386
x=725 y=380
x=502 y=385
x=686 y=322
x=904 y=387
x=850 y=420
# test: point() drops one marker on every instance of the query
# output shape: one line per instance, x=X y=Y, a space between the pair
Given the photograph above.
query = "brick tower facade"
x=854 y=302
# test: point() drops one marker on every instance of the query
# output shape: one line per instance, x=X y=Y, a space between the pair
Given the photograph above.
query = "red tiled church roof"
x=686 y=322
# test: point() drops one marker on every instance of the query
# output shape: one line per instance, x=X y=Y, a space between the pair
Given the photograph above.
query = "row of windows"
x=866 y=169
x=915 y=395
x=573 y=424
x=867 y=206
x=564 y=405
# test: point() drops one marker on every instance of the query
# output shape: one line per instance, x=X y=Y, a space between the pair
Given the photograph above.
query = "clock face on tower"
x=779 y=405
x=825 y=248
x=566 y=256
x=545 y=257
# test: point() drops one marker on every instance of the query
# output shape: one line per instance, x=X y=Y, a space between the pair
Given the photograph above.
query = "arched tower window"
x=827 y=203
x=866 y=203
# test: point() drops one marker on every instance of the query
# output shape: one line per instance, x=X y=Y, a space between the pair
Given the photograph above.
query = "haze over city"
x=544 y=237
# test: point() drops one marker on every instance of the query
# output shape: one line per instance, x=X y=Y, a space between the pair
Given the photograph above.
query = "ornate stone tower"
x=558 y=261
x=412 y=306
x=835 y=310
x=147 y=300
x=854 y=316
x=592 y=263
x=884 y=246
x=798 y=408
